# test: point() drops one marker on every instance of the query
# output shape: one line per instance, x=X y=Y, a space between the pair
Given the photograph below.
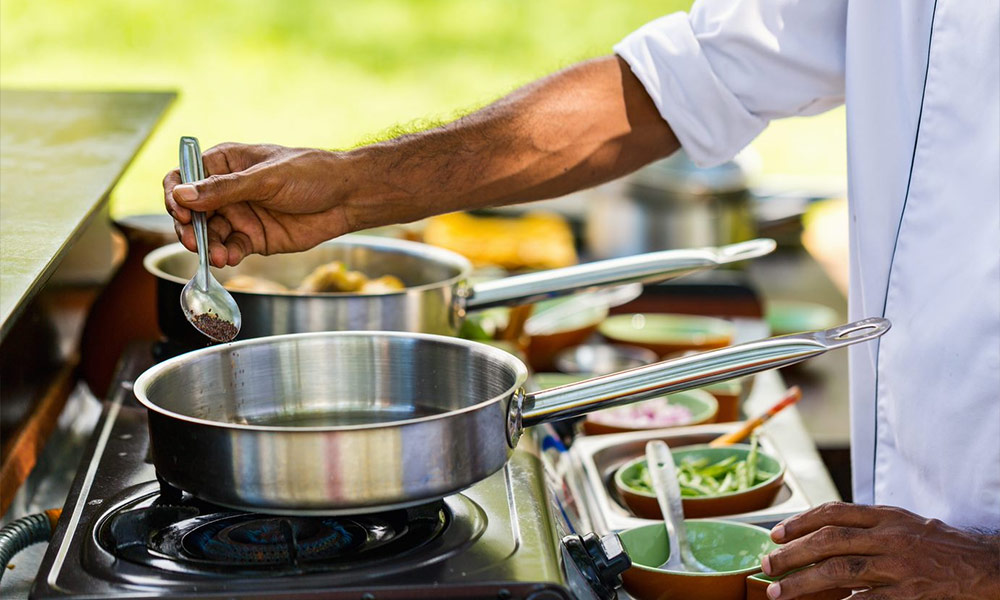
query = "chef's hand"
x=889 y=552
x=260 y=199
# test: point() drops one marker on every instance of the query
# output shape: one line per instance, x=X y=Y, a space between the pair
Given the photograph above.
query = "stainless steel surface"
x=203 y=295
x=601 y=359
x=353 y=421
x=436 y=297
x=663 y=474
x=641 y=383
x=594 y=460
x=518 y=549
x=644 y=268
x=330 y=422
x=671 y=204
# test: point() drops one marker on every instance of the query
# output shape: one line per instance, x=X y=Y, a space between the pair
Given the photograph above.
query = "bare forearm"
x=580 y=127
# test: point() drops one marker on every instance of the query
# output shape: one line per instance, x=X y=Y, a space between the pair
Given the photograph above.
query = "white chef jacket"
x=921 y=81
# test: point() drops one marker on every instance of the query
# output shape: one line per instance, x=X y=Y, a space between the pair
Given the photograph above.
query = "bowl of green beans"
x=714 y=482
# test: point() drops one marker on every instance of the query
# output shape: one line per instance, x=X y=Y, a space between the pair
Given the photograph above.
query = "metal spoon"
x=206 y=304
x=663 y=474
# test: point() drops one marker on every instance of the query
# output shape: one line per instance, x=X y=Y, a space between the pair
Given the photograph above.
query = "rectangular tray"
x=594 y=460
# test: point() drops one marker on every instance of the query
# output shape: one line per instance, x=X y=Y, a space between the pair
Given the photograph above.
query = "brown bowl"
x=733 y=549
x=542 y=349
x=758 y=582
x=644 y=505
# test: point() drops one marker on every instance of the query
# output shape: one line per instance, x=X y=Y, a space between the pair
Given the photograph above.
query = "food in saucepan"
x=331 y=277
x=703 y=477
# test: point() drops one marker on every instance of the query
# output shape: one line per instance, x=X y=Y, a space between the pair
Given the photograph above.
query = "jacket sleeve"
x=719 y=74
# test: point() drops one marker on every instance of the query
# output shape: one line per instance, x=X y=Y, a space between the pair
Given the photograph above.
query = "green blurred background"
x=334 y=73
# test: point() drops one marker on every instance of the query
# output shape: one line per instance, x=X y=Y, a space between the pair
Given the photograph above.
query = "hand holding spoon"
x=206 y=304
x=663 y=474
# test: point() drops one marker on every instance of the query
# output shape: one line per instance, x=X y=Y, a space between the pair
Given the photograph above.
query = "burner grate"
x=253 y=539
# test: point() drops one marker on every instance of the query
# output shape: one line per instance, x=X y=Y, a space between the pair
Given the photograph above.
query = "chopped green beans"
x=698 y=477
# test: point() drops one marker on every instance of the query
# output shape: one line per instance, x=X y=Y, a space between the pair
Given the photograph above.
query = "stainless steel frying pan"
x=437 y=296
x=349 y=422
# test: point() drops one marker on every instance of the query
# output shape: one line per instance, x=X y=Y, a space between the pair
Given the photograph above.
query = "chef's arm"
x=587 y=124
x=580 y=127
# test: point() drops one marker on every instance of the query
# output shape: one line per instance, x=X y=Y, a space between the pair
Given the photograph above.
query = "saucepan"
x=437 y=293
x=353 y=422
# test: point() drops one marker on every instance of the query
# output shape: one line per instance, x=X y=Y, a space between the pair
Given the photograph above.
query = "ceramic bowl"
x=786 y=316
x=668 y=334
x=733 y=549
x=643 y=504
x=558 y=334
x=702 y=405
x=758 y=582
x=601 y=359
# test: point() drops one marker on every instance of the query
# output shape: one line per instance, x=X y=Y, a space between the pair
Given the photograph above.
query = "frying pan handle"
x=689 y=372
x=654 y=266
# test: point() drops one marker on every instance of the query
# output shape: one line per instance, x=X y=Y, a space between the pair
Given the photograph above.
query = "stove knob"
x=602 y=561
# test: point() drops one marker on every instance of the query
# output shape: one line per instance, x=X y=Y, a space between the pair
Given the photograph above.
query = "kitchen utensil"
x=671 y=203
x=644 y=504
x=733 y=550
x=437 y=297
x=663 y=473
x=205 y=303
x=360 y=421
x=793 y=395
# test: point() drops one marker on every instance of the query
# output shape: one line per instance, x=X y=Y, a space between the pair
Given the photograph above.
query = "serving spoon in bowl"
x=663 y=473
x=206 y=304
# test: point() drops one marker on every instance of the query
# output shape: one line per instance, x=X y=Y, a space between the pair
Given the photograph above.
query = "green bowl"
x=668 y=334
x=643 y=504
x=733 y=549
x=786 y=317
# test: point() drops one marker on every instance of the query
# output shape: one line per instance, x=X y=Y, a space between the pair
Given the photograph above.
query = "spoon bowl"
x=206 y=304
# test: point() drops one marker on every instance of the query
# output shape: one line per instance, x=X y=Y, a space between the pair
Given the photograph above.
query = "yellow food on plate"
x=537 y=240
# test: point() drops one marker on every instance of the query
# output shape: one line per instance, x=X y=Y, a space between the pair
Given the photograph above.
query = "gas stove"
x=124 y=534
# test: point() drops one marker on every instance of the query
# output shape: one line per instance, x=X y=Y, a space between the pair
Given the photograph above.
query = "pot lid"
x=678 y=173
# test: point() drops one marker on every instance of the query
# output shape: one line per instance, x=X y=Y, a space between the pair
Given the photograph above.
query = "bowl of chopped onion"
x=714 y=481
x=681 y=409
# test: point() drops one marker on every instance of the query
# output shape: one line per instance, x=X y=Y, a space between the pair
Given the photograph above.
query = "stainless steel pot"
x=671 y=203
x=437 y=295
x=339 y=422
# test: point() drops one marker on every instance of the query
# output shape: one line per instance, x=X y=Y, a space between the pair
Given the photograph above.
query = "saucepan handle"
x=690 y=372
x=650 y=267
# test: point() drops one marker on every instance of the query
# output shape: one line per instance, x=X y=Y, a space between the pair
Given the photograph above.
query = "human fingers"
x=826 y=542
x=840 y=572
x=219 y=229
x=185 y=235
x=832 y=513
x=178 y=212
x=217 y=191
x=238 y=247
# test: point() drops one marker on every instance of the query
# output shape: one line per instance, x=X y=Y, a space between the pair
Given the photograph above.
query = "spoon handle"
x=192 y=170
x=660 y=462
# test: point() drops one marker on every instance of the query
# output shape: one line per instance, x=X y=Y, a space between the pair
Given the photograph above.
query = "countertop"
x=61 y=152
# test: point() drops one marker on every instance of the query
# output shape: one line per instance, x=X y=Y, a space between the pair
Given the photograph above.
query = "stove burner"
x=200 y=537
x=254 y=539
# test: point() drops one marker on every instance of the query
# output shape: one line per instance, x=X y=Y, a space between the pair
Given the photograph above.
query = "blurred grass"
x=327 y=73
